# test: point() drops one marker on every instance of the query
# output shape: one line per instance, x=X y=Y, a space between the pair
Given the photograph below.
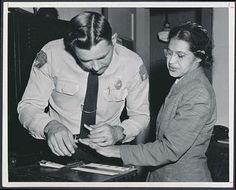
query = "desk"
x=26 y=168
x=36 y=173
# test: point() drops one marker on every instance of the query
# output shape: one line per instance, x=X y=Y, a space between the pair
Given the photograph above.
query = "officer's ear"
x=114 y=38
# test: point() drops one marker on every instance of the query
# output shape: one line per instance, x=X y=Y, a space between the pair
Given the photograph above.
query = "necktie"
x=83 y=152
x=90 y=104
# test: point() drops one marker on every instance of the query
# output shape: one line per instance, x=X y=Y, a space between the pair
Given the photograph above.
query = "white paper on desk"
x=102 y=169
x=108 y=167
x=98 y=171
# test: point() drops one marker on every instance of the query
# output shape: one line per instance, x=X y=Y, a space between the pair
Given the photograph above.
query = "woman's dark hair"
x=199 y=42
x=88 y=29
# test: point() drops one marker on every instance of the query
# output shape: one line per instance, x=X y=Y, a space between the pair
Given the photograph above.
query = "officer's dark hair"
x=199 y=42
x=88 y=29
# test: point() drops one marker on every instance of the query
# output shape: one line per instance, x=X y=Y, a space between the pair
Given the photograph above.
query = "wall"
x=68 y=13
x=133 y=25
x=157 y=22
x=221 y=64
x=142 y=38
x=122 y=22
x=28 y=9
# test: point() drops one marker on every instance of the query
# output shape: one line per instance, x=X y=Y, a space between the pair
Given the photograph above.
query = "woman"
x=186 y=118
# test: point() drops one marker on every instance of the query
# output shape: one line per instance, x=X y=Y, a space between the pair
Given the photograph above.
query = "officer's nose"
x=95 y=66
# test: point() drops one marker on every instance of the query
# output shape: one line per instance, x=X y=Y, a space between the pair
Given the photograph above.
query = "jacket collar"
x=186 y=79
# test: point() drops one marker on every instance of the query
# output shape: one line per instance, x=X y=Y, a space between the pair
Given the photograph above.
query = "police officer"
x=59 y=76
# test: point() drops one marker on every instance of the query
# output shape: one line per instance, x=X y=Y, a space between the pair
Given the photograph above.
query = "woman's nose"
x=172 y=58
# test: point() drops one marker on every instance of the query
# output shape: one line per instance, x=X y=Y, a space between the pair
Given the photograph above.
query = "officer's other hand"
x=59 y=139
x=104 y=134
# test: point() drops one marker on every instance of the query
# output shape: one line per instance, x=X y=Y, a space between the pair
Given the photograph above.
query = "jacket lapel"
x=176 y=88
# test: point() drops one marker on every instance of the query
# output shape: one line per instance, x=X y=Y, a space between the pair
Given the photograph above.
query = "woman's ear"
x=114 y=38
x=198 y=60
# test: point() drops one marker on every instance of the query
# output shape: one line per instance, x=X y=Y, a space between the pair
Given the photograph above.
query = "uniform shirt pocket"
x=114 y=95
x=66 y=87
x=66 y=96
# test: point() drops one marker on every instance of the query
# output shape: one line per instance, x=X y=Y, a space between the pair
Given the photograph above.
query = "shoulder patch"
x=40 y=59
x=143 y=72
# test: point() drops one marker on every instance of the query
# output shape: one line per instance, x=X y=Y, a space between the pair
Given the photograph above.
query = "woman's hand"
x=108 y=151
x=104 y=134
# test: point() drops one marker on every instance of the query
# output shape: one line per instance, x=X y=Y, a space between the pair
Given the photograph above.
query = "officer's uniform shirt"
x=57 y=80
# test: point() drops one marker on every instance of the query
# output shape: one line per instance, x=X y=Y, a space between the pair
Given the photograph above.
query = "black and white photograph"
x=118 y=94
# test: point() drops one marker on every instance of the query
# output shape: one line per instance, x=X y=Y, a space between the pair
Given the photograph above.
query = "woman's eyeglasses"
x=180 y=55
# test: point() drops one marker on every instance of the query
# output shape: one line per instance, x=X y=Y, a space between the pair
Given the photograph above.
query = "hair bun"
x=201 y=51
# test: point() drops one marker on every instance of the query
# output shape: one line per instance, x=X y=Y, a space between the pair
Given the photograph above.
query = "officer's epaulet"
x=143 y=72
x=40 y=59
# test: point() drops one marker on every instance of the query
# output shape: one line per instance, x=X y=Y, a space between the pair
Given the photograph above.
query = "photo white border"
x=231 y=9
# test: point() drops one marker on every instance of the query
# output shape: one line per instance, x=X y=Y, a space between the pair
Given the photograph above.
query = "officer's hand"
x=109 y=151
x=104 y=134
x=59 y=139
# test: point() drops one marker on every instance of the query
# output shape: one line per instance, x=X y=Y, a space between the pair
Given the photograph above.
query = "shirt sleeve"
x=191 y=116
x=137 y=105
x=35 y=98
